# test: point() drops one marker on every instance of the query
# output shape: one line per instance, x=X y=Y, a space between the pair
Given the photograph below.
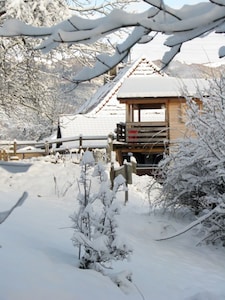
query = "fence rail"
x=10 y=150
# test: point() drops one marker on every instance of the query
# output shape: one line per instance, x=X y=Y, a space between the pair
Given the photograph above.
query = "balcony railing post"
x=121 y=132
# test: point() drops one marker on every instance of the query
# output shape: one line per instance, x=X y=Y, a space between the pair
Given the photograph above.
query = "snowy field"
x=39 y=262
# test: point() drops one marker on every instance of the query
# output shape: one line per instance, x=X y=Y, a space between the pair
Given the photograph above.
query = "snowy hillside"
x=38 y=260
x=183 y=70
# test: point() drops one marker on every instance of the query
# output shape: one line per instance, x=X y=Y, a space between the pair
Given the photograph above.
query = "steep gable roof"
x=105 y=99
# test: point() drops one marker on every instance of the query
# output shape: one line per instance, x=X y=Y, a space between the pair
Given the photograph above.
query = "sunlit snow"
x=38 y=260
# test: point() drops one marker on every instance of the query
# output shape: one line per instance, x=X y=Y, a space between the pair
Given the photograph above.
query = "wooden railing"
x=24 y=149
x=142 y=132
x=151 y=170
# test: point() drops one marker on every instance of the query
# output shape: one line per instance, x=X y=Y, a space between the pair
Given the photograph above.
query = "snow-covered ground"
x=39 y=261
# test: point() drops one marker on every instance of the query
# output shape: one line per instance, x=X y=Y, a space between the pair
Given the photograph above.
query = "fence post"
x=127 y=176
x=14 y=148
x=80 y=142
x=5 y=156
x=46 y=147
x=112 y=174
x=109 y=148
x=133 y=162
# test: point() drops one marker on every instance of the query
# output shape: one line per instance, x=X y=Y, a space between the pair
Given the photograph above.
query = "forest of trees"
x=29 y=107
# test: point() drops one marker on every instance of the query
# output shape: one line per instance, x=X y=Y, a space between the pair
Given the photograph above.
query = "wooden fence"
x=13 y=150
x=126 y=171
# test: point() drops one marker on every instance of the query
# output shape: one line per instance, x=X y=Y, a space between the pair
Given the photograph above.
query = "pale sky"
x=179 y=3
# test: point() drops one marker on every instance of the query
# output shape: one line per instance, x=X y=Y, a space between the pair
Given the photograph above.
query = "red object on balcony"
x=132 y=135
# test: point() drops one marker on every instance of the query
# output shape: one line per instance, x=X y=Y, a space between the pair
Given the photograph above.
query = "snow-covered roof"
x=99 y=116
x=87 y=126
x=105 y=99
x=161 y=87
x=102 y=112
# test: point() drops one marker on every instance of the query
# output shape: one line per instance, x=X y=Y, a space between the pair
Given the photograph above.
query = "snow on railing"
x=20 y=149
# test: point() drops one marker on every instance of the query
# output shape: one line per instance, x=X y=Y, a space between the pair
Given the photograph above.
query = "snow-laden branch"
x=180 y=25
x=4 y=214
x=219 y=2
x=106 y=62
x=219 y=210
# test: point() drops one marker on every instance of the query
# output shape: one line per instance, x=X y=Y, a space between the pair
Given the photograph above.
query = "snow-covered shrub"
x=95 y=226
x=214 y=224
x=194 y=172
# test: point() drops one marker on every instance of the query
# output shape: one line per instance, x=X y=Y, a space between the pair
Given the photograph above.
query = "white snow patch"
x=38 y=260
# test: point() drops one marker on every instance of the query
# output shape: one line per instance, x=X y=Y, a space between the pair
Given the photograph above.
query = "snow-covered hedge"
x=195 y=171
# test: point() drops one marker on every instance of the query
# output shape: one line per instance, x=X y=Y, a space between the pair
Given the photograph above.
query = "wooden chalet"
x=142 y=106
x=155 y=117
x=99 y=115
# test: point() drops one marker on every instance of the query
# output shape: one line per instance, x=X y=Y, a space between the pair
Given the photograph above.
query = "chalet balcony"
x=153 y=133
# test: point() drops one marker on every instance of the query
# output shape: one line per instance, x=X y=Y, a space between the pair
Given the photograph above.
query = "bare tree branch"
x=4 y=214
